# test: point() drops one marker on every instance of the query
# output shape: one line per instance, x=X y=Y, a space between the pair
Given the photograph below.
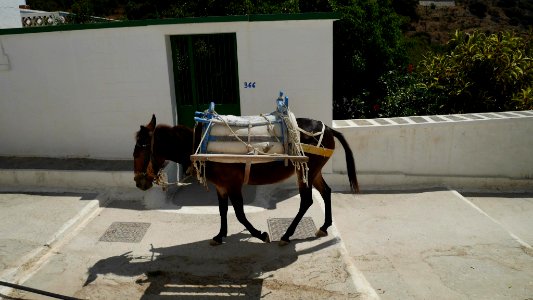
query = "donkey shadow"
x=236 y=269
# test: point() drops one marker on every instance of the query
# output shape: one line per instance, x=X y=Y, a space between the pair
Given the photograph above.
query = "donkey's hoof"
x=282 y=243
x=321 y=233
x=216 y=241
x=265 y=237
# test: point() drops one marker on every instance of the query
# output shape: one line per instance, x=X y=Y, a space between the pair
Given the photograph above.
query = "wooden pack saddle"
x=245 y=139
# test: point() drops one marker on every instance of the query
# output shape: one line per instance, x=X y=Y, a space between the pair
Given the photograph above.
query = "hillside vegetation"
x=490 y=16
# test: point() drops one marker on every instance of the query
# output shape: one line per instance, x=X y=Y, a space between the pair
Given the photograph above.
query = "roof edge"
x=191 y=20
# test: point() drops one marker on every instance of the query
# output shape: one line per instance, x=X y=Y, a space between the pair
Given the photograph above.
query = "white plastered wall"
x=10 y=13
x=491 y=152
x=84 y=93
x=80 y=93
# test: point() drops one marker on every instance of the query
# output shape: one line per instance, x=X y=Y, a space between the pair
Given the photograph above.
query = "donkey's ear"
x=152 y=123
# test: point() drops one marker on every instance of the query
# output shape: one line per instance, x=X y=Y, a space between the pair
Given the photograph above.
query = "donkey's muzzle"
x=143 y=182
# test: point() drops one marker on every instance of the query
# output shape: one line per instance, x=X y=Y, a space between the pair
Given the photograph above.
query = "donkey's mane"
x=162 y=126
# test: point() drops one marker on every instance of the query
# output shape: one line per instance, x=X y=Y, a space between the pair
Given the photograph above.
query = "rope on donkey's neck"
x=162 y=180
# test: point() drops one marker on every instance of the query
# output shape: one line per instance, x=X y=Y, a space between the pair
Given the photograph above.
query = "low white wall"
x=83 y=93
x=488 y=150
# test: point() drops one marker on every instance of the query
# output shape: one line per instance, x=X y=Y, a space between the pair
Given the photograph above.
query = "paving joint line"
x=514 y=236
x=358 y=278
x=40 y=257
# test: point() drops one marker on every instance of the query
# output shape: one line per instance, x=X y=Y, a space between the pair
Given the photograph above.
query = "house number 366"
x=249 y=85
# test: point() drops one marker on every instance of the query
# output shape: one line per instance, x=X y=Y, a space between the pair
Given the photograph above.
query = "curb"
x=31 y=262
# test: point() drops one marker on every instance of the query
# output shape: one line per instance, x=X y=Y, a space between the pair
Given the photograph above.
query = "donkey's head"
x=142 y=156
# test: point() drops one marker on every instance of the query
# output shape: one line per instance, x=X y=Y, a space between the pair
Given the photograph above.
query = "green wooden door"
x=205 y=70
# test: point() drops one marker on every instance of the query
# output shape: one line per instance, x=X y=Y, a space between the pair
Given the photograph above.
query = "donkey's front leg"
x=238 y=205
x=223 y=210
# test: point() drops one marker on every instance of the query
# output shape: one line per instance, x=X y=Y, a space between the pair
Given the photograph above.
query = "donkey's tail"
x=350 y=162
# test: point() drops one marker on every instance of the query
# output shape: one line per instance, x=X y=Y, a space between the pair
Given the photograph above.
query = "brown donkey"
x=157 y=144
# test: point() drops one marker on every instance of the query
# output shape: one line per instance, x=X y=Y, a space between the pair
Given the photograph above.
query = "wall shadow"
x=196 y=195
x=490 y=194
x=387 y=191
x=236 y=269
x=82 y=196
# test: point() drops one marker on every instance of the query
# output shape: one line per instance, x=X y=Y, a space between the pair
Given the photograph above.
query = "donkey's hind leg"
x=320 y=184
x=223 y=210
x=238 y=205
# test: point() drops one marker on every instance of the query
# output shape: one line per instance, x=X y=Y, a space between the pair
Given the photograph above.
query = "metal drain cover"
x=305 y=229
x=126 y=232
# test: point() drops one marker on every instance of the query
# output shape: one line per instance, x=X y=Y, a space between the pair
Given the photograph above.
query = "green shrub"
x=480 y=72
x=367 y=42
x=404 y=95
x=524 y=98
x=82 y=10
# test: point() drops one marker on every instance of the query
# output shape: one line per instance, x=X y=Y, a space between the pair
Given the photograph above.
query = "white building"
x=10 y=13
x=83 y=90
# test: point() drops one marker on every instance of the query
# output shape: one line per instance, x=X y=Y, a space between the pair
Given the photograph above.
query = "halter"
x=160 y=177
x=147 y=158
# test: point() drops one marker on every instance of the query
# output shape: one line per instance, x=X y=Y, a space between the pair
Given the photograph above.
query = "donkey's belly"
x=226 y=174
x=267 y=173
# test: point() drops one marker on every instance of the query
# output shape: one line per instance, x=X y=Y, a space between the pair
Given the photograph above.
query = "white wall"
x=84 y=93
x=81 y=93
x=480 y=150
x=298 y=61
x=293 y=56
x=10 y=13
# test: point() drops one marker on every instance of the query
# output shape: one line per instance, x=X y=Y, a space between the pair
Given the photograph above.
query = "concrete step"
x=65 y=172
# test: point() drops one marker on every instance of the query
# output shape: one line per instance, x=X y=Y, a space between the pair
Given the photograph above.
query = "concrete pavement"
x=174 y=258
x=440 y=244
x=424 y=244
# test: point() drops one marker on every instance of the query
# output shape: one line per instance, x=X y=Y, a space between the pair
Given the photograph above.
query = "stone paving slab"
x=435 y=245
x=514 y=212
x=30 y=223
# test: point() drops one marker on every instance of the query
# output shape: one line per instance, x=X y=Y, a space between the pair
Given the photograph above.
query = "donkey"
x=156 y=144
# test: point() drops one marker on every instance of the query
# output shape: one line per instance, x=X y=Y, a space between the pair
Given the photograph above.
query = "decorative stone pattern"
x=432 y=119
x=277 y=227
x=125 y=232
x=41 y=19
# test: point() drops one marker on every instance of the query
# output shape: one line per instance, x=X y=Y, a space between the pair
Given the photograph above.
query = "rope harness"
x=160 y=178
x=294 y=146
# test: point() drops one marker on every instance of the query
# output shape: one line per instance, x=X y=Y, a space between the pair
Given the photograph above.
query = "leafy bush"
x=401 y=94
x=480 y=72
x=404 y=96
x=476 y=73
x=524 y=98
x=82 y=10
